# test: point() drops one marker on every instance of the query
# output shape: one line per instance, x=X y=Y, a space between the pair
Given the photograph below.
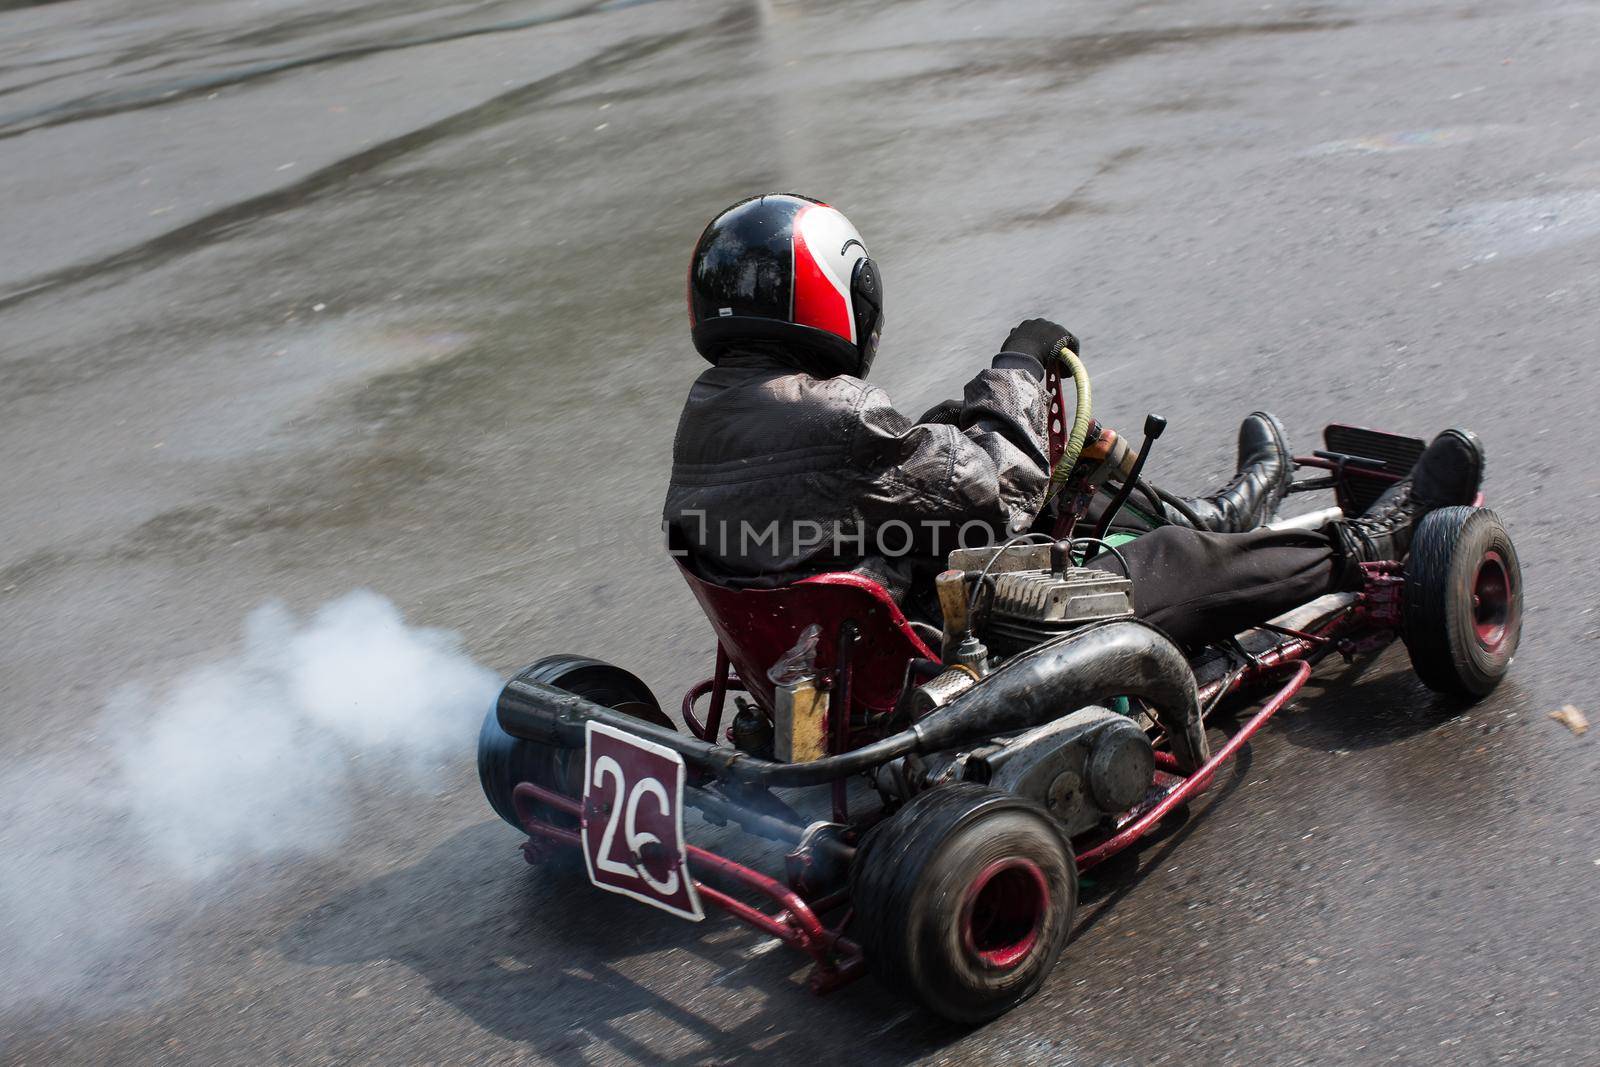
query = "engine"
x=1085 y=768
x=1034 y=605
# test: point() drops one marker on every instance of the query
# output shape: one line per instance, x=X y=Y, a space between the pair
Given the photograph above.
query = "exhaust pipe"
x=1125 y=658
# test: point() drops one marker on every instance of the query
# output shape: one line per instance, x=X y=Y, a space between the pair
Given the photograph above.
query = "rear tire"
x=1462 y=616
x=965 y=897
x=505 y=761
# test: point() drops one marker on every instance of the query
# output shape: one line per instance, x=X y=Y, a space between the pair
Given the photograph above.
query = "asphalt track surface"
x=301 y=298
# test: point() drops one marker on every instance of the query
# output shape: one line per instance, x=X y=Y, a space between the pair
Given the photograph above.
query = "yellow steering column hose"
x=1080 y=418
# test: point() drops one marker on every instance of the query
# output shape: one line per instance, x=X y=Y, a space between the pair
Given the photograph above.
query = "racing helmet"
x=789 y=270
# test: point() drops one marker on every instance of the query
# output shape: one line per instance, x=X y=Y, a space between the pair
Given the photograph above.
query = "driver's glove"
x=1039 y=338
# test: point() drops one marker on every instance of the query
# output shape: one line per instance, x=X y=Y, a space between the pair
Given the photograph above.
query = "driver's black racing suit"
x=778 y=475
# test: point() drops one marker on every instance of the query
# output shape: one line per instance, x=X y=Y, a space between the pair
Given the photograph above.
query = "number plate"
x=633 y=820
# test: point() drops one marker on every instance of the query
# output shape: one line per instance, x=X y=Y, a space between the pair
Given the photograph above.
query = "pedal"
x=1390 y=452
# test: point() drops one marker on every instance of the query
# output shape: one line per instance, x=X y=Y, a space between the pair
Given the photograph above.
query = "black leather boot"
x=1265 y=468
x=1450 y=472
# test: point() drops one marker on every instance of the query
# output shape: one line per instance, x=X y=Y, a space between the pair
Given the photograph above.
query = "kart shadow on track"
x=1370 y=703
x=538 y=958
x=1119 y=876
x=1366 y=704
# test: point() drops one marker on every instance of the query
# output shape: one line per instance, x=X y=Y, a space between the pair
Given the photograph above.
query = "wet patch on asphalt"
x=1528 y=225
x=1404 y=140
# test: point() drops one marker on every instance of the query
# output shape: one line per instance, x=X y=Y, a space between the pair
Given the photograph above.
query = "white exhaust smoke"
x=253 y=757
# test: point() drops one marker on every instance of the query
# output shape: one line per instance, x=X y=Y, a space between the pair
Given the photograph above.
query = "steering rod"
x=1154 y=427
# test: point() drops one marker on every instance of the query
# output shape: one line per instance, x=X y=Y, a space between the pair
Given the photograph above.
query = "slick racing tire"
x=505 y=761
x=965 y=898
x=1462 y=615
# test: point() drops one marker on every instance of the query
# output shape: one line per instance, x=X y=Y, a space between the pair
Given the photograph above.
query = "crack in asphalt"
x=1077 y=201
x=100 y=105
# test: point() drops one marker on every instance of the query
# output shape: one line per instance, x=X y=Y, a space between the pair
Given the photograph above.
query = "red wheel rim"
x=1004 y=912
x=1493 y=610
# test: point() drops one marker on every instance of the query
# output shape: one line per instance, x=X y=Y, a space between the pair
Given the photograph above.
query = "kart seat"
x=756 y=627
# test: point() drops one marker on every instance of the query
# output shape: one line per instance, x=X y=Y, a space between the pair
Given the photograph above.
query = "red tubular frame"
x=718 y=685
x=837 y=959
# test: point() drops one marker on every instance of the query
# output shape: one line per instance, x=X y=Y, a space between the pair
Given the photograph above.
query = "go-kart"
x=1040 y=732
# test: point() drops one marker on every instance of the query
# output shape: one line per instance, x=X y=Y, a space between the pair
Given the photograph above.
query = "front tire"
x=965 y=897
x=1462 y=617
x=505 y=761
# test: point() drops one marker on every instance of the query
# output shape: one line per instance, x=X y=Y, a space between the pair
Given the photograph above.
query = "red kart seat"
x=757 y=626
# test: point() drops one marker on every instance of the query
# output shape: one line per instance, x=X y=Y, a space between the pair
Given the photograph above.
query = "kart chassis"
x=810 y=913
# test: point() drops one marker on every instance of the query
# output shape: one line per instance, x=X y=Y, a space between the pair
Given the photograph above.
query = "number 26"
x=634 y=839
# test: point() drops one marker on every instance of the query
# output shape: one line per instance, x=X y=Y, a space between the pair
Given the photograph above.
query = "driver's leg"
x=1202 y=587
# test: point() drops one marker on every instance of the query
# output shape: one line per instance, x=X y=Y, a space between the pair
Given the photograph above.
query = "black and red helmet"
x=790 y=270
